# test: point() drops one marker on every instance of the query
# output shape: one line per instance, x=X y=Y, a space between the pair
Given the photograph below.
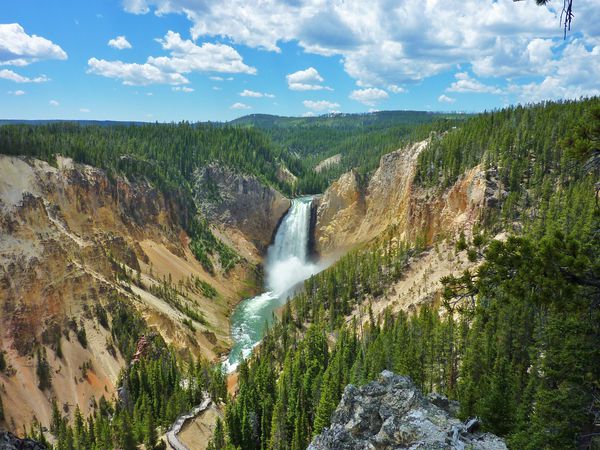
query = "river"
x=286 y=265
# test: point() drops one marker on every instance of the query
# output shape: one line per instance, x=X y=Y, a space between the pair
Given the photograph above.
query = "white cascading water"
x=287 y=265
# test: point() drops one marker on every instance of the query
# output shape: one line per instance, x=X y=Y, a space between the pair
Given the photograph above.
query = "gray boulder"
x=9 y=441
x=392 y=413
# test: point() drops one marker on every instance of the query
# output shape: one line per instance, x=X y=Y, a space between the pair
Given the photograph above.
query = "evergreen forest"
x=516 y=340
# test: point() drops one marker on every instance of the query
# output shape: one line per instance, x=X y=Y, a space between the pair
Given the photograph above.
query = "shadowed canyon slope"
x=74 y=240
x=241 y=206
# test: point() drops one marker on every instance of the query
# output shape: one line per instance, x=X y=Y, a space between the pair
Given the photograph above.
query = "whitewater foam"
x=286 y=266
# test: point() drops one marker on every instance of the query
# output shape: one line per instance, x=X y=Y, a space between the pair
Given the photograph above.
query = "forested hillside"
x=155 y=388
x=360 y=139
x=515 y=340
x=167 y=155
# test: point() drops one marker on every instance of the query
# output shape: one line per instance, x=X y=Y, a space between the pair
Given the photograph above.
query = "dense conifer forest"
x=516 y=341
x=165 y=154
x=359 y=139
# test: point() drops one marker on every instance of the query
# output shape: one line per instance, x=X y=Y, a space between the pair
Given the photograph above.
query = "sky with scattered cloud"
x=171 y=60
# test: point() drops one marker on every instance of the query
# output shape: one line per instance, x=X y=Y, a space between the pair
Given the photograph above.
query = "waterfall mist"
x=287 y=264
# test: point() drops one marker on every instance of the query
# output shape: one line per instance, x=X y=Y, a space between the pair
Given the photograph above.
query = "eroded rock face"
x=71 y=237
x=340 y=212
x=239 y=203
x=391 y=413
x=350 y=213
x=62 y=230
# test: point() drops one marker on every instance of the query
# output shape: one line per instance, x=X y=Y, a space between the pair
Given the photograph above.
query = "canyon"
x=354 y=210
x=73 y=241
x=74 y=238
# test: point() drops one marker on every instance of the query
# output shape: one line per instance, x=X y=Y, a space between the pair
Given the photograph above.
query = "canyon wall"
x=239 y=207
x=73 y=240
x=353 y=211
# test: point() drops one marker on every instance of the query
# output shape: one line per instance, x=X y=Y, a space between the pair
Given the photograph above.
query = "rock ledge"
x=391 y=413
x=9 y=441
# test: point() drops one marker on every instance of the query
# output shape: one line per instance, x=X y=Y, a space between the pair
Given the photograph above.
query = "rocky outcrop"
x=391 y=413
x=284 y=175
x=241 y=205
x=328 y=163
x=340 y=212
x=9 y=441
x=349 y=213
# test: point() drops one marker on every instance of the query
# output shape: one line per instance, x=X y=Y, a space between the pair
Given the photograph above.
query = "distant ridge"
x=102 y=123
x=337 y=120
x=341 y=120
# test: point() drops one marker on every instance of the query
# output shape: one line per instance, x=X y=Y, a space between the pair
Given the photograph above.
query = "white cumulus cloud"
x=396 y=89
x=382 y=43
x=17 y=93
x=182 y=89
x=185 y=57
x=17 y=48
x=369 y=96
x=320 y=105
x=239 y=105
x=136 y=6
x=133 y=74
x=445 y=99
x=120 y=43
x=255 y=94
x=53 y=103
x=464 y=83
x=576 y=76
x=17 y=78
x=306 y=80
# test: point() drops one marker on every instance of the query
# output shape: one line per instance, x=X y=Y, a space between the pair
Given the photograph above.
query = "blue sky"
x=171 y=60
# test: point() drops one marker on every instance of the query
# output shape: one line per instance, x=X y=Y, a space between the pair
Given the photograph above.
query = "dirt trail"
x=172 y=437
x=197 y=432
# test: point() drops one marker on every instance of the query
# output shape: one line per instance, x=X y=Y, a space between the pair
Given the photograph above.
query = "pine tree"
x=327 y=402
x=43 y=370
x=150 y=435
x=218 y=439
x=124 y=437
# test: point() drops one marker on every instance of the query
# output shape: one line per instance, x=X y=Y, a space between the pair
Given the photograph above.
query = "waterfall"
x=291 y=239
x=287 y=264
x=287 y=259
